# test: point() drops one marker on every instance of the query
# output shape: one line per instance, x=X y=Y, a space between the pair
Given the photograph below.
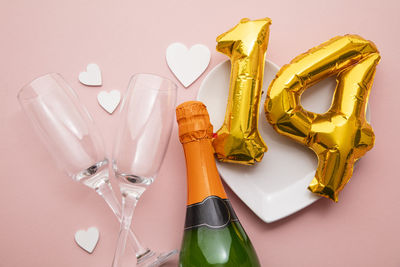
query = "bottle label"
x=213 y=212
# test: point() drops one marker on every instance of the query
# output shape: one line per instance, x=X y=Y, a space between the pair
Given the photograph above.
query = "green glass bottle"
x=213 y=235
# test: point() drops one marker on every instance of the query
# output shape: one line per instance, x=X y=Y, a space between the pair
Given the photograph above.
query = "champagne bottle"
x=213 y=235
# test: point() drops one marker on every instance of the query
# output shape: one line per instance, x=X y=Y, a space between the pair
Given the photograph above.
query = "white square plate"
x=277 y=186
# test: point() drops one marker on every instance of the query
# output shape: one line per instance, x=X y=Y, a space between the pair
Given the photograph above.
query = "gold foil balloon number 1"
x=342 y=135
x=238 y=140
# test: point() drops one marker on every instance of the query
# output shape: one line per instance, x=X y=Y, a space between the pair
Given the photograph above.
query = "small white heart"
x=87 y=239
x=92 y=75
x=109 y=101
x=187 y=64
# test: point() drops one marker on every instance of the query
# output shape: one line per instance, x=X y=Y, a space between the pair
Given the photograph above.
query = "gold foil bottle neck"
x=193 y=122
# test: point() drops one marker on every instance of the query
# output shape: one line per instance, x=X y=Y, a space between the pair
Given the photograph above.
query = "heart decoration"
x=109 y=100
x=92 y=75
x=87 y=239
x=187 y=64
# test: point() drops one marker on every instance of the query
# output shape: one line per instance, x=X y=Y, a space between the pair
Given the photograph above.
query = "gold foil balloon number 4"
x=238 y=140
x=342 y=135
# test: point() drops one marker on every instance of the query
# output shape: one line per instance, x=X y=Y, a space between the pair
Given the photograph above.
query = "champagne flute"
x=146 y=118
x=70 y=135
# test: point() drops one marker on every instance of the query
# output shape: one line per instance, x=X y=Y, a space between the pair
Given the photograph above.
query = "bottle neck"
x=202 y=175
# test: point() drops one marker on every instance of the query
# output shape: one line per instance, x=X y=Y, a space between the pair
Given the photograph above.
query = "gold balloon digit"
x=342 y=135
x=238 y=140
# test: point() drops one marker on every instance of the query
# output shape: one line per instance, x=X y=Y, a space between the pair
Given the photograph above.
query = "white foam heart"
x=109 y=100
x=92 y=75
x=187 y=64
x=87 y=239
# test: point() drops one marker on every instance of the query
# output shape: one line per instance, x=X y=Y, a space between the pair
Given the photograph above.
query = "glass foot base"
x=153 y=259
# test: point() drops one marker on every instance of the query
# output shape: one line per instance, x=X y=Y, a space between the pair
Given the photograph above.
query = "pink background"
x=41 y=208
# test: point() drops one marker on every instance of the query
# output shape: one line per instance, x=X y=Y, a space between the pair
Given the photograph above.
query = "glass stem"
x=129 y=201
x=106 y=192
